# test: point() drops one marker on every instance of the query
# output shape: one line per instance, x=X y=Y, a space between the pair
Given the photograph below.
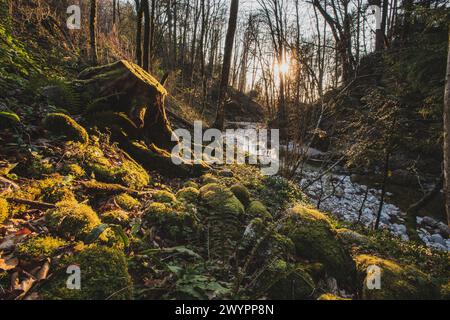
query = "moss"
x=74 y=170
x=177 y=223
x=208 y=179
x=398 y=282
x=118 y=217
x=191 y=184
x=55 y=189
x=164 y=196
x=221 y=200
x=126 y=202
x=330 y=296
x=4 y=210
x=71 y=219
x=61 y=124
x=39 y=248
x=189 y=195
x=284 y=281
x=445 y=291
x=241 y=193
x=257 y=209
x=125 y=171
x=315 y=239
x=104 y=275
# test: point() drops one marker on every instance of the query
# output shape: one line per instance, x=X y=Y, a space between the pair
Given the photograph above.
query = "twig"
x=33 y=204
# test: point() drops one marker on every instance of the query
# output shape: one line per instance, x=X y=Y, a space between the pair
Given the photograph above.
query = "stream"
x=356 y=199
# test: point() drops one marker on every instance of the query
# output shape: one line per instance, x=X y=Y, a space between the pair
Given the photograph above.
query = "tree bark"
x=232 y=24
x=139 y=13
x=146 y=56
x=447 y=138
x=93 y=31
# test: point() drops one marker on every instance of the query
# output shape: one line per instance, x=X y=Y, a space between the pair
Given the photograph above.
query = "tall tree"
x=228 y=52
x=139 y=14
x=447 y=136
x=93 y=31
x=146 y=55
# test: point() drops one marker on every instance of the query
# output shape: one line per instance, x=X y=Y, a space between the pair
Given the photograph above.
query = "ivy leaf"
x=96 y=233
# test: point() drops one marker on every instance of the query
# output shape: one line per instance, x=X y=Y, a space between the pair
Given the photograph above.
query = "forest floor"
x=72 y=199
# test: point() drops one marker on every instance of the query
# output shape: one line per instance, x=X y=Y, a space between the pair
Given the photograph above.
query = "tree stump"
x=128 y=102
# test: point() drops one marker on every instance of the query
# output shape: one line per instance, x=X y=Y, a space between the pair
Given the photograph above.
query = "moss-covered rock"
x=104 y=276
x=164 y=196
x=118 y=217
x=4 y=210
x=63 y=125
x=257 y=209
x=39 y=248
x=208 y=179
x=126 y=202
x=189 y=195
x=284 y=281
x=72 y=219
x=191 y=184
x=398 y=282
x=241 y=193
x=126 y=171
x=175 y=221
x=330 y=296
x=445 y=291
x=315 y=239
x=55 y=189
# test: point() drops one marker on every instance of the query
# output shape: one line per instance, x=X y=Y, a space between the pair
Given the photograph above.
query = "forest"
x=224 y=150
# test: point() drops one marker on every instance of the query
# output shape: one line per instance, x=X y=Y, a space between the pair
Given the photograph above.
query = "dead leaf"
x=9 y=264
x=24 y=231
x=43 y=272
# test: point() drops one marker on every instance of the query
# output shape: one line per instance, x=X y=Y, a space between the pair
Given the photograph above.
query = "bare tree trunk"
x=232 y=24
x=139 y=12
x=152 y=33
x=93 y=31
x=146 y=57
x=447 y=138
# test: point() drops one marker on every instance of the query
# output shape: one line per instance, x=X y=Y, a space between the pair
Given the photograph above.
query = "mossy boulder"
x=189 y=195
x=241 y=193
x=72 y=219
x=118 y=217
x=55 y=189
x=208 y=179
x=125 y=171
x=176 y=221
x=39 y=248
x=284 y=281
x=164 y=196
x=398 y=282
x=258 y=209
x=126 y=202
x=104 y=276
x=332 y=297
x=191 y=184
x=315 y=239
x=4 y=210
x=63 y=125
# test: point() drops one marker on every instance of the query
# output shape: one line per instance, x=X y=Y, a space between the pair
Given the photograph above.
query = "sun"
x=282 y=68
